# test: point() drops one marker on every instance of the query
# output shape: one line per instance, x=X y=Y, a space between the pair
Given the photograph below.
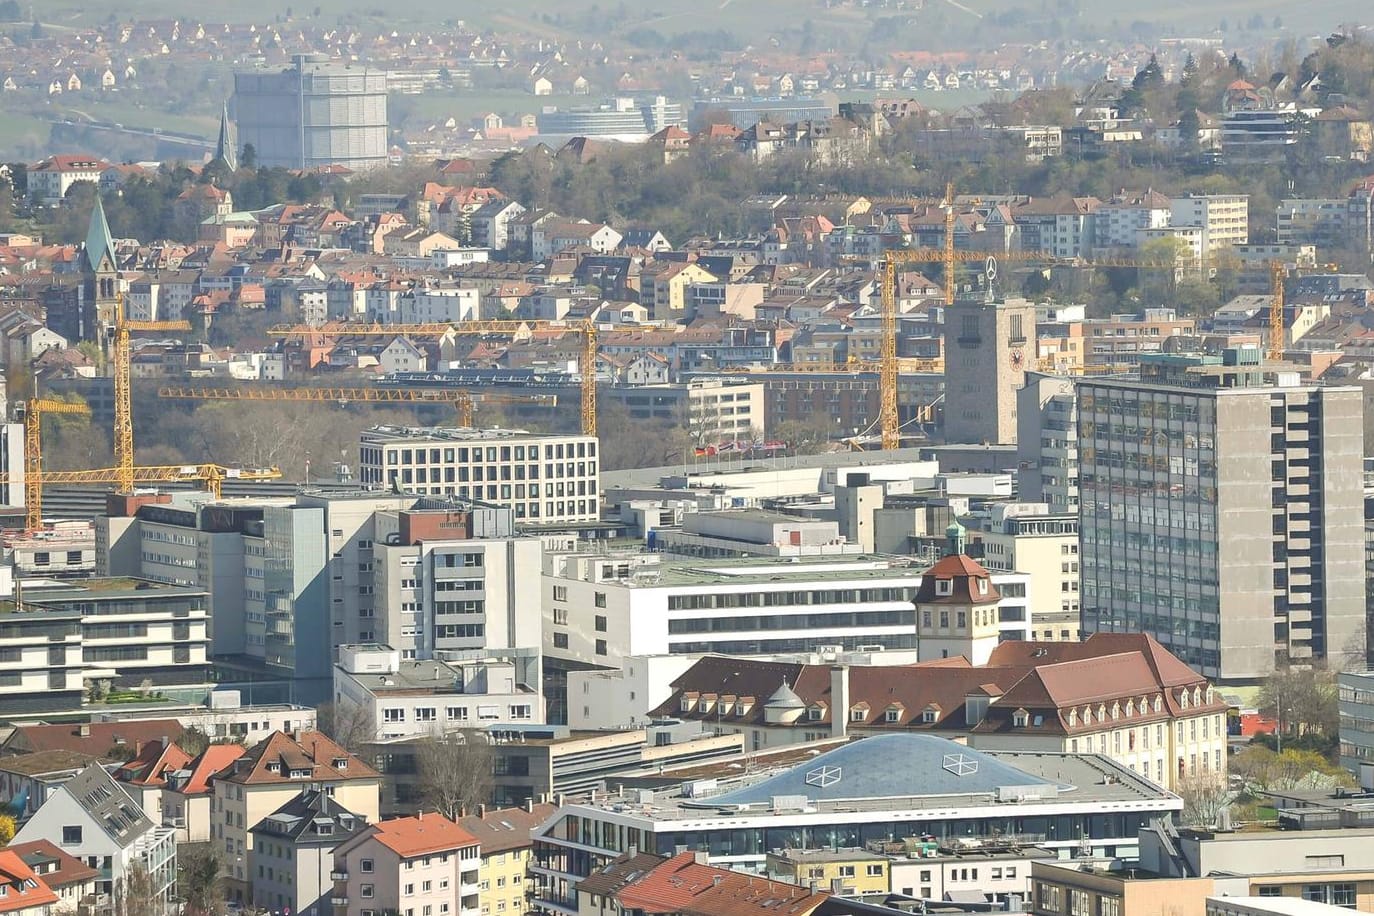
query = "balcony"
x=338 y=876
x=338 y=901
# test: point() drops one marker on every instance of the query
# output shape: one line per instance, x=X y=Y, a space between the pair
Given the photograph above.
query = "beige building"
x=1026 y=537
x=848 y=871
x=1223 y=218
x=664 y=285
x=270 y=775
x=1081 y=889
x=421 y=864
x=503 y=836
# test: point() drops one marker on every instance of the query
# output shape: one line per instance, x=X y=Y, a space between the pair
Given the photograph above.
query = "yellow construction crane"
x=586 y=329
x=463 y=401
x=1277 y=274
x=212 y=476
x=34 y=410
x=123 y=388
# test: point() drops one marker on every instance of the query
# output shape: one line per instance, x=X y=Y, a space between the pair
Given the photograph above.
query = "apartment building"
x=713 y=410
x=1121 y=339
x=545 y=479
x=503 y=837
x=421 y=863
x=268 y=776
x=293 y=853
x=1223 y=218
x=1246 y=486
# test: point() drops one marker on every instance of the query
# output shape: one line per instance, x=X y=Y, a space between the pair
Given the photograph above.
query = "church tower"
x=227 y=148
x=957 y=606
x=100 y=277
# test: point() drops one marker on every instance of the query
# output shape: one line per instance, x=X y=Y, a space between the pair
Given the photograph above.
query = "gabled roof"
x=109 y=806
x=23 y=890
x=274 y=758
x=154 y=761
x=57 y=868
x=611 y=878
x=503 y=829
x=299 y=820
x=962 y=571
x=211 y=761
x=421 y=835
x=682 y=885
x=98 y=737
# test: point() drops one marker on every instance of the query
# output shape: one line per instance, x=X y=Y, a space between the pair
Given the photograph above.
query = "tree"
x=1149 y=77
x=1205 y=796
x=248 y=157
x=1262 y=770
x=1302 y=700
x=455 y=770
x=7 y=829
x=198 y=879
x=351 y=727
x=135 y=894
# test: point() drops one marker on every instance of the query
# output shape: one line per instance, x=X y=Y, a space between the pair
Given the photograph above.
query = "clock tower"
x=989 y=346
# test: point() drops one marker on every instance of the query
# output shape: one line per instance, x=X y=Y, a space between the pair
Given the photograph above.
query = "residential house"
x=491 y=224
x=93 y=819
x=293 y=853
x=503 y=837
x=145 y=776
x=187 y=793
x=556 y=235
x=269 y=775
x=422 y=863
x=51 y=179
x=417 y=243
x=663 y=288
x=22 y=891
x=72 y=880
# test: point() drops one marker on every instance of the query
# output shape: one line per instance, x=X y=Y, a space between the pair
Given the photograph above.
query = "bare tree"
x=1302 y=699
x=455 y=770
x=198 y=879
x=1205 y=796
x=352 y=727
x=135 y=894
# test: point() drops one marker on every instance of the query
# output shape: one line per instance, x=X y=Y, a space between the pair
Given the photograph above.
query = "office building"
x=878 y=790
x=1027 y=537
x=544 y=478
x=1222 y=512
x=118 y=633
x=626 y=120
x=1355 y=701
x=317 y=112
x=714 y=411
x=989 y=345
x=408 y=699
x=1047 y=442
x=263 y=566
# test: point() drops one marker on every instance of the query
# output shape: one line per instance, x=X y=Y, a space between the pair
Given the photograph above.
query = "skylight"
x=960 y=764
x=823 y=777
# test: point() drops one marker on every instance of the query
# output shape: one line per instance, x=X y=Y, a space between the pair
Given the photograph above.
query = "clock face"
x=1017 y=358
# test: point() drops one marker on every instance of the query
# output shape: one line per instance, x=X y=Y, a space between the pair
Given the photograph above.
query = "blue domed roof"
x=889 y=766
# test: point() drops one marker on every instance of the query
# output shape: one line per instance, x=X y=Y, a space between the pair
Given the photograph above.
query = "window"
x=599 y=599
x=875 y=871
x=365 y=891
x=560 y=640
x=71 y=836
x=1108 y=906
x=365 y=866
x=944 y=586
x=1079 y=903
x=601 y=623
x=601 y=647
x=846 y=871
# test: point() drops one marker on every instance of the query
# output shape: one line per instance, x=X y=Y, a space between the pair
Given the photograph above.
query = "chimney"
x=839 y=701
x=702 y=857
x=529 y=805
x=631 y=851
x=481 y=811
x=84 y=730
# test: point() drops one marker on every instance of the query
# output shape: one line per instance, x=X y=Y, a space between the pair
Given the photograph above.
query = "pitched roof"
x=422 y=834
x=23 y=889
x=210 y=761
x=110 y=807
x=153 y=762
x=98 y=737
x=612 y=877
x=682 y=885
x=273 y=759
x=504 y=829
x=299 y=819
x=57 y=868
x=99 y=242
x=962 y=571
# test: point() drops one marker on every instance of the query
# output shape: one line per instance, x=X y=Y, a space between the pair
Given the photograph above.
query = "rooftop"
x=455 y=434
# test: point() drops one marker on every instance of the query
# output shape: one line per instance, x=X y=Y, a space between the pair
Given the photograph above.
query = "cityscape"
x=775 y=458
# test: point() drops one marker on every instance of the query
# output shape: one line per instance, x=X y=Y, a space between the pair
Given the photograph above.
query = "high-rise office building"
x=989 y=344
x=317 y=112
x=1221 y=511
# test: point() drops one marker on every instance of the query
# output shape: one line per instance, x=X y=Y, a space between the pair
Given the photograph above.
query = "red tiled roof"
x=69 y=870
x=313 y=751
x=683 y=886
x=100 y=736
x=211 y=761
x=420 y=835
x=153 y=762
x=24 y=890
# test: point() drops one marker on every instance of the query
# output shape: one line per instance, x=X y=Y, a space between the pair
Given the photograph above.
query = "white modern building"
x=543 y=478
x=603 y=607
x=408 y=699
x=600 y=699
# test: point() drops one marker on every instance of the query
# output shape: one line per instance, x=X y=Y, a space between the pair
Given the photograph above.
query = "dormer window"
x=982 y=586
x=928 y=716
x=944 y=587
x=300 y=774
x=340 y=763
x=1020 y=718
x=1183 y=699
x=686 y=703
x=1116 y=711
x=1087 y=715
x=1159 y=702
x=857 y=715
x=814 y=714
x=1073 y=717
x=274 y=768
